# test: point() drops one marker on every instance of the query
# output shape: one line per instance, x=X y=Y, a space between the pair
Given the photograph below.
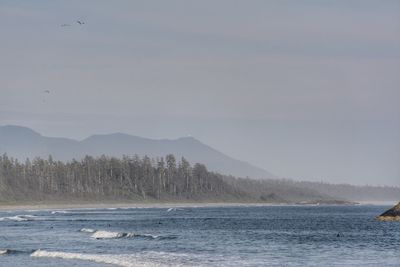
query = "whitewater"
x=200 y=236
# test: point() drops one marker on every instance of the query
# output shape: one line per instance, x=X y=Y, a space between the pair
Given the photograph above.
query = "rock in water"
x=391 y=215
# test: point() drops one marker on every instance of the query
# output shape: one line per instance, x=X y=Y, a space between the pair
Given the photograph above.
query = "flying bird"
x=80 y=22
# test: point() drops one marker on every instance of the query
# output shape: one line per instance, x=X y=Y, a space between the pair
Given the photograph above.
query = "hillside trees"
x=160 y=179
x=109 y=177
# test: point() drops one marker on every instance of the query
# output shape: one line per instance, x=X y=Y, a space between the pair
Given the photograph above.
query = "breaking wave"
x=114 y=235
x=18 y=218
x=110 y=235
x=123 y=260
x=101 y=234
x=87 y=230
x=59 y=212
x=173 y=209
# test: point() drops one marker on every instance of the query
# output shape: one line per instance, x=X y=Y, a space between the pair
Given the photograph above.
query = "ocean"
x=200 y=236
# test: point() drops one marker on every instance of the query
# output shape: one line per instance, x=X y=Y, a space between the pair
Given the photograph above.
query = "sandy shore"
x=56 y=206
x=107 y=205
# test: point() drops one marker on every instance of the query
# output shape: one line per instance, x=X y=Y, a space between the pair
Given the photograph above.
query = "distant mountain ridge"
x=22 y=142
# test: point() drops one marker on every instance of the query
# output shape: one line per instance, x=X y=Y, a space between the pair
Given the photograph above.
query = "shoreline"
x=126 y=205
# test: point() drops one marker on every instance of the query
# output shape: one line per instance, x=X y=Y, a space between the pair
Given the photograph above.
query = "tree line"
x=110 y=178
x=160 y=179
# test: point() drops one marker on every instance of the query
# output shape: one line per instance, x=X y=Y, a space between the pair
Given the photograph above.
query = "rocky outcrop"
x=392 y=214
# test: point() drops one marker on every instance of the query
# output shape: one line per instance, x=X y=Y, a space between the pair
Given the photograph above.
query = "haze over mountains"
x=22 y=142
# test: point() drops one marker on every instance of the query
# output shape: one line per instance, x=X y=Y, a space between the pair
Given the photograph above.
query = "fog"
x=307 y=90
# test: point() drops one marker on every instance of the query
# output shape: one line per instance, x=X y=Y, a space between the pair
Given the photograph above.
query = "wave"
x=102 y=234
x=110 y=235
x=115 y=235
x=87 y=230
x=174 y=209
x=59 y=212
x=108 y=259
x=124 y=260
x=18 y=218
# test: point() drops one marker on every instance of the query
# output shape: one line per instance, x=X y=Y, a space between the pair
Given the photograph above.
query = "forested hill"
x=352 y=192
x=133 y=178
x=21 y=142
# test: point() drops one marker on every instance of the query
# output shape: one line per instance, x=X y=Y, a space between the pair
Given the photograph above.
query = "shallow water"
x=210 y=236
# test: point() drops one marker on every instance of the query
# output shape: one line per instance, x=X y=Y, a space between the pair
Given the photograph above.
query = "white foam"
x=87 y=230
x=18 y=218
x=110 y=235
x=108 y=259
x=123 y=260
x=173 y=209
x=59 y=212
x=114 y=235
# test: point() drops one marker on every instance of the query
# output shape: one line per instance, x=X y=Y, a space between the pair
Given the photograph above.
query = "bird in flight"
x=80 y=22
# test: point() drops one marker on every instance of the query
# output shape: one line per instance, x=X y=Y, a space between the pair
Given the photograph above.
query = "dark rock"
x=392 y=214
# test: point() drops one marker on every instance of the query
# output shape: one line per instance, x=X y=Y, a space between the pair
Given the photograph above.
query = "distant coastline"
x=150 y=204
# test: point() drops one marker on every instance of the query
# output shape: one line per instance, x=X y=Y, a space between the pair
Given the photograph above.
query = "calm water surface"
x=212 y=236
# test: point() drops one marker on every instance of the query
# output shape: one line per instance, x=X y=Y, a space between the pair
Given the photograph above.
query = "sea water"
x=200 y=236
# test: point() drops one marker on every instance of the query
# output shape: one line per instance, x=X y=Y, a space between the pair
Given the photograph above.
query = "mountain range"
x=22 y=142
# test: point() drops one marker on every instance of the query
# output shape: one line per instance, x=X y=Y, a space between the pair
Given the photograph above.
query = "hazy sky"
x=305 y=89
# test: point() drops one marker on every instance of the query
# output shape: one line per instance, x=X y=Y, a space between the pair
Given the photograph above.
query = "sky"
x=306 y=89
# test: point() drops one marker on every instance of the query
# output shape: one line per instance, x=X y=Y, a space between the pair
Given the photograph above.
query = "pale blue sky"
x=305 y=89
